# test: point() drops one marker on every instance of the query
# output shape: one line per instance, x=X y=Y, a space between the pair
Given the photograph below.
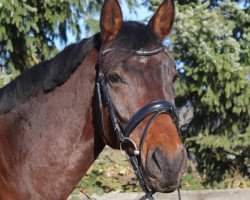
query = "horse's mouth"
x=163 y=185
x=161 y=176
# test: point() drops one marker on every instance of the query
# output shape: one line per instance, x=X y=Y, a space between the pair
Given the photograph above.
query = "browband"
x=137 y=52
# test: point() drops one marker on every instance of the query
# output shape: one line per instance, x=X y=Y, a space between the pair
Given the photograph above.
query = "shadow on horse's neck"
x=51 y=139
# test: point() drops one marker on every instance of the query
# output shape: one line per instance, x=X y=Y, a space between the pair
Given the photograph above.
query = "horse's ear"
x=162 y=21
x=111 y=19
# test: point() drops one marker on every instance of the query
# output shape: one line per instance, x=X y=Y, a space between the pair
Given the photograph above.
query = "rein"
x=154 y=109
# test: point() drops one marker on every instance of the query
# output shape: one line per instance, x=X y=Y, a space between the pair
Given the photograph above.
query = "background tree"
x=211 y=43
x=29 y=28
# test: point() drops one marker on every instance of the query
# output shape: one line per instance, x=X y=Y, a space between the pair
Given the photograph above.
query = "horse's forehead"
x=139 y=65
x=143 y=59
x=155 y=59
x=151 y=66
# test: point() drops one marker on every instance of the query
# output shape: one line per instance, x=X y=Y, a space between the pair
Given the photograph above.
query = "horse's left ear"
x=111 y=19
x=162 y=21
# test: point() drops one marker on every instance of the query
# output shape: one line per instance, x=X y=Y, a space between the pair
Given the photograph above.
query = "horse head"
x=135 y=81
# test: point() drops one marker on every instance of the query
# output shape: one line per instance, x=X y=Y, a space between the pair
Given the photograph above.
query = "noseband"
x=154 y=109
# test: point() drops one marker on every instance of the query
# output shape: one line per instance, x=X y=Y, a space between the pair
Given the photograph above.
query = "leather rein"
x=154 y=109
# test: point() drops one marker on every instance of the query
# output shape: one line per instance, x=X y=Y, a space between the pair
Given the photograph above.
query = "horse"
x=115 y=88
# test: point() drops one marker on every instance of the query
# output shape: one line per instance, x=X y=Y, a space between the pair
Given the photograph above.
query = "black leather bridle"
x=154 y=109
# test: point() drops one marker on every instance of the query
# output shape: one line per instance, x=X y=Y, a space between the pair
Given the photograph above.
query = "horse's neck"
x=54 y=142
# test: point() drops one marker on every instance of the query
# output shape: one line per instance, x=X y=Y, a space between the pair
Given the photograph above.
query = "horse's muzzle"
x=162 y=173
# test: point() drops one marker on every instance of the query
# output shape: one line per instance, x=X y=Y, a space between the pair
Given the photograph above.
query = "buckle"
x=132 y=144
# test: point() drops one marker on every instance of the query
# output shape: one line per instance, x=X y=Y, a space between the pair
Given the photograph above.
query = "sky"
x=141 y=14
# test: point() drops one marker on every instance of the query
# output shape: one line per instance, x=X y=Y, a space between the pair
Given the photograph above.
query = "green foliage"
x=212 y=41
x=29 y=28
x=6 y=77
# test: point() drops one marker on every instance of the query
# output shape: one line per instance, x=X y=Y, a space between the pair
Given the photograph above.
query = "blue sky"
x=142 y=12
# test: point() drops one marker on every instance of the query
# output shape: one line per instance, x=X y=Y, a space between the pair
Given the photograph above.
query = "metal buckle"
x=124 y=153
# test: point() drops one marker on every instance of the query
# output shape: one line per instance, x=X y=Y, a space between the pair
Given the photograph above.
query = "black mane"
x=44 y=76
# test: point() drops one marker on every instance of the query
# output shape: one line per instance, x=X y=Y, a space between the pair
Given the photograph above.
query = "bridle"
x=154 y=109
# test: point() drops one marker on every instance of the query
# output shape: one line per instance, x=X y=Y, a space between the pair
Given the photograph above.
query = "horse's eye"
x=114 y=78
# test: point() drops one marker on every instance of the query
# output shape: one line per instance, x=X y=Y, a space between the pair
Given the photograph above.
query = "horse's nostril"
x=155 y=162
x=156 y=158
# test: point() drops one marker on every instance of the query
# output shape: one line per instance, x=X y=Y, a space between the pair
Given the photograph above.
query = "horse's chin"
x=160 y=185
x=166 y=189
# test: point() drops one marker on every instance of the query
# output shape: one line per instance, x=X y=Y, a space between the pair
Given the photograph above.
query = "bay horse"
x=114 y=88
